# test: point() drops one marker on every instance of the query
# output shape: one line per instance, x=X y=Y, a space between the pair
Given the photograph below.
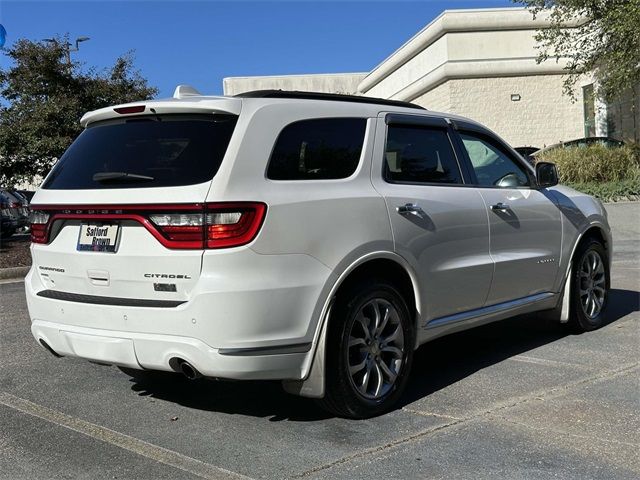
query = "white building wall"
x=542 y=116
x=437 y=99
x=469 y=62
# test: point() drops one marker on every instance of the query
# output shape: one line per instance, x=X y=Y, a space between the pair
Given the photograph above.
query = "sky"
x=201 y=42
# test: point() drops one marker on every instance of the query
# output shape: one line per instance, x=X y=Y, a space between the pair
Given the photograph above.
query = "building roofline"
x=298 y=75
x=450 y=21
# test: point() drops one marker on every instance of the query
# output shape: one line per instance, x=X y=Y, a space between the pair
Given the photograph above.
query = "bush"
x=611 y=191
x=594 y=163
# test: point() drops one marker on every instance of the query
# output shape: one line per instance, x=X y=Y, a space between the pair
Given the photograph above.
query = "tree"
x=43 y=98
x=606 y=41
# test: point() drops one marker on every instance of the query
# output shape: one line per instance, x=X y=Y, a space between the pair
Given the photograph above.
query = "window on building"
x=589 y=102
x=318 y=149
x=418 y=154
x=492 y=164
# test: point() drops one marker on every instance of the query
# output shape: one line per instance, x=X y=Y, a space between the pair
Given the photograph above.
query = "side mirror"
x=546 y=174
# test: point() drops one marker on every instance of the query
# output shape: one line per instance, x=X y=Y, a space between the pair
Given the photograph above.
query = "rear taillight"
x=184 y=230
x=180 y=226
x=220 y=225
x=232 y=225
x=39 y=226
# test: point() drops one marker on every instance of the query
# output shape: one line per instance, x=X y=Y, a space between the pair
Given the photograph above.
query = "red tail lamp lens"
x=39 y=225
x=233 y=225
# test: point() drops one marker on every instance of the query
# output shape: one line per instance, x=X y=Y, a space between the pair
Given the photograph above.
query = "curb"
x=13 y=272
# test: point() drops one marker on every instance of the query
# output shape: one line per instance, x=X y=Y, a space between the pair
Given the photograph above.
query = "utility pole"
x=68 y=46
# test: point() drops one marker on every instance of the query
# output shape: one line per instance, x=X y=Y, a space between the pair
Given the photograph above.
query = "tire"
x=347 y=392
x=148 y=376
x=589 y=286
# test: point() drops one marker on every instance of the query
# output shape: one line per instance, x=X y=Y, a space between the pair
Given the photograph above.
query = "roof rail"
x=182 y=91
x=334 y=97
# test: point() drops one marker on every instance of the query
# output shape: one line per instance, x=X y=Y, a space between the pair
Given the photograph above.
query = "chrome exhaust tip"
x=189 y=371
x=185 y=368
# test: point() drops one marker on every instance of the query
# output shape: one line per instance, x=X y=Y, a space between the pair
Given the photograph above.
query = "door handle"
x=409 y=208
x=500 y=206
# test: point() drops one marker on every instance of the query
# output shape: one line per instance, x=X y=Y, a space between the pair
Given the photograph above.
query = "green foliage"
x=595 y=163
x=607 y=41
x=43 y=99
x=611 y=191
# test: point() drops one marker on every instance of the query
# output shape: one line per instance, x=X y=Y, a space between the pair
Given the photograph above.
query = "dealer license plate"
x=98 y=238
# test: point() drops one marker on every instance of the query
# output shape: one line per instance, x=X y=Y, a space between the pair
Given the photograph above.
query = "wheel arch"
x=384 y=263
x=388 y=267
x=595 y=230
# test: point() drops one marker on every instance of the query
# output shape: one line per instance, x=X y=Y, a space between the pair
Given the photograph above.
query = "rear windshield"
x=142 y=152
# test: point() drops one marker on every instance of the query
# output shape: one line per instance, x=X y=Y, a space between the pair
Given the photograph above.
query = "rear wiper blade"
x=115 y=176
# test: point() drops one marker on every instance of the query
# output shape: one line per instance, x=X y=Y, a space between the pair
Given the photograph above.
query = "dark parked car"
x=15 y=213
x=28 y=194
x=8 y=222
x=527 y=153
x=24 y=201
x=581 y=143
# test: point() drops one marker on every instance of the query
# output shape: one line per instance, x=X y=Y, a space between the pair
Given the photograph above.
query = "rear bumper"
x=256 y=322
x=154 y=352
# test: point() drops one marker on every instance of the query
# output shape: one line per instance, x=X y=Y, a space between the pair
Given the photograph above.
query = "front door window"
x=492 y=165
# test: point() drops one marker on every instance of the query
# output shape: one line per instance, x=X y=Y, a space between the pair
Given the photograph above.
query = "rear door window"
x=318 y=149
x=142 y=152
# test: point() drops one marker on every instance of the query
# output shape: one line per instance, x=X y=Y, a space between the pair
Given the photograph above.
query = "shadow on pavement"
x=621 y=303
x=437 y=364
x=252 y=398
x=450 y=359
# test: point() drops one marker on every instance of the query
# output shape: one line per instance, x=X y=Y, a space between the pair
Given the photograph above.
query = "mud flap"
x=313 y=385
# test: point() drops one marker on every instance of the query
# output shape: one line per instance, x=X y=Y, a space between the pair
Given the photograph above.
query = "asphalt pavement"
x=521 y=398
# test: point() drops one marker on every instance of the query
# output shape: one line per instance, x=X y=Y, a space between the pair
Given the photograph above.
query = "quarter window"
x=319 y=149
x=493 y=166
x=418 y=154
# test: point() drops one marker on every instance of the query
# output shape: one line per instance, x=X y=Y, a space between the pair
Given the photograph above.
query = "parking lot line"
x=494 y=411
x=546 y=362
x=126 y=442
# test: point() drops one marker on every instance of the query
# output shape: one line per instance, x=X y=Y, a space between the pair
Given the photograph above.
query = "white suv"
x=311 y=238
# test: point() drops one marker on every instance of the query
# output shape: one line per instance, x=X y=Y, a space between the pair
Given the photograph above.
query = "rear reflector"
x=179 y=226
x=125 y=110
